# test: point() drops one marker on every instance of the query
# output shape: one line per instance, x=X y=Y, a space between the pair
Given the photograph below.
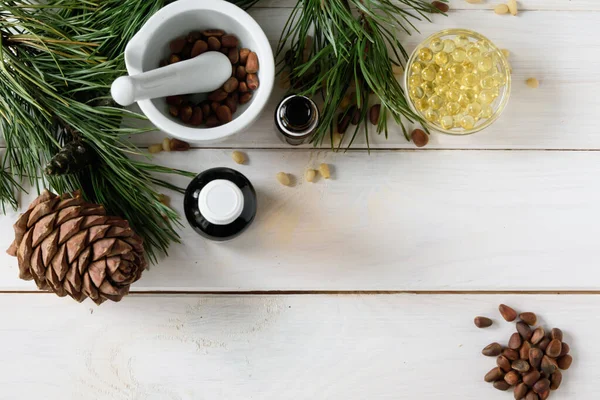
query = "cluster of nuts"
x=309 y=175
x=220 y=105
x=532 y=361
x=511 y=7
x=169 y=145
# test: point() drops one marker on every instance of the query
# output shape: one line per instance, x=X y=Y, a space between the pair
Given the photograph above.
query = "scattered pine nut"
x=397 y=69
x=337 y=139
x=310 y=175
x=501 y=9
x=474 y=1
x=324 y=170
x=505 y=52
x=238 y=157
x=346 y=101
x=155 y=148
x=533 y=83
x=284 y=80
x=164 y=199
x=512 y=7
x=166 y=144
x=283 y=178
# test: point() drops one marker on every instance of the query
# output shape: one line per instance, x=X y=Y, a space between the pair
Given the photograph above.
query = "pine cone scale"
x=73 y=248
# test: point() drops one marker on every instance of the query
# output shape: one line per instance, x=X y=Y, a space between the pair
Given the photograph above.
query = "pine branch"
x=350 y=52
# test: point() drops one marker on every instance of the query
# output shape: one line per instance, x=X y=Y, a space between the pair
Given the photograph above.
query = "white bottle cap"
x=221 y=202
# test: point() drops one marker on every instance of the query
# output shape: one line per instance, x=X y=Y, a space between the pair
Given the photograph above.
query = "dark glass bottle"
x=220 y=203
x=296 y=119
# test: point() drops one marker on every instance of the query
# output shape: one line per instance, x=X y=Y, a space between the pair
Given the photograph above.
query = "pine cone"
x=72 y=248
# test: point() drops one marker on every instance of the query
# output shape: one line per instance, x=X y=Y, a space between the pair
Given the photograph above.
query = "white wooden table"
x=365 y=286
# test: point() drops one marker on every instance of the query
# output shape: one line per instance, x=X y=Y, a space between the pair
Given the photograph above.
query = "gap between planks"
x=336 y=292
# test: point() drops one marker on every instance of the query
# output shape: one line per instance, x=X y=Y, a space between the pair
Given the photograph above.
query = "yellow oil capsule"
x=427 y=88
x=428 y=74
x=449 y=46
x=473 y=109
x=461 y=40
x=447 y=122
x=463 y=100
x=425 y=54
x=459 y=54
x=415 y=80
x=469 y=80
x=468 y=66
x=473 y=54
x=416 y=93
x=435 y=102
x=422 y=104
x=467 y=122
x=441 y=90
x=457 y=120
x=488 y=82
x=417 y=67
x=499 y=78
x=453 y=108
x=432 y=115
x=485 y=63
x=436 y=45
x=471 y=95
x=486 y=97
x=442 y=76
x=453 y=94
x=483 y=46
x=486 y=111
x=476 y=89
x=441 y=58
x=457 y=70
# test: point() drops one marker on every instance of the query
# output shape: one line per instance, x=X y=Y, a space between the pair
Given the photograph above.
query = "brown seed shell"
x=206 y=110
x=520 y=391
x=503 y=363
x=212 y=121
x=174 y=110
x=512 y=378
x=544 y=343
x=174 y=58
x=501 y=385
x=244 y=56
x=564 y=349
x=240 y=73
x=252 y=63
x=419 y=138
x=179 y=145
x=229 y=41
x=524 y=330
x=541 y=386
x=231 y=85
x=507 y=313
x=245 y=97
x=538 y=335
x=520 y=366
x=193 y=36
x=529 y=318
x=557 y=334
x=549 y=366
x=531 y=377
x=232 y=102
x=532 y=396
x=218 y=95
x=555 y=380
x=544 y=395
x=554 y=348
x=511 y=354
x=493 y=375
x=243 y=87
x=213 y=32
x=197 y=116
x=374 y=113
x=214 y=105
x=535 y=357
x=515 y=341
x=234 y=55
x=174 y=100
x=200 y=46
x=443 y=7
x=177 y=45
x=524 y=350
x=565 y=362
x=252 y=81
x=224 y=114
x=492 y=350
x=185 y=113
x=213 y=43
x=343 y=121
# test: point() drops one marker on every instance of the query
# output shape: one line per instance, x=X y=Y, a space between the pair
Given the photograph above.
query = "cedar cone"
x=72 y=248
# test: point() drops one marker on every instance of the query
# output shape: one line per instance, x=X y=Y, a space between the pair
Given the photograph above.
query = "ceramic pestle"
x=201 y=74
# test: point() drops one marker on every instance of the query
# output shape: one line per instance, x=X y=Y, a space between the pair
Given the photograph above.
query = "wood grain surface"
x=276 y=347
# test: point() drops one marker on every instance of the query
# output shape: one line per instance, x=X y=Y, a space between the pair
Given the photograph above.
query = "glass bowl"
x=450 y=86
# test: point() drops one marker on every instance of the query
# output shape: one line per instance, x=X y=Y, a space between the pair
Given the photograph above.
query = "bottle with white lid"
x=220 y=203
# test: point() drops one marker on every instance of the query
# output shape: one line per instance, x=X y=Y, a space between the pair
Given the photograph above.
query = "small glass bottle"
x=296 y=119
x=220 y=203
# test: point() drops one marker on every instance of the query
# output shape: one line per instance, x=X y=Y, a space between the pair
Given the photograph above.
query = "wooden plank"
x=561 y=114
x=275 y=347
x=525 y=5
x=394 y=220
